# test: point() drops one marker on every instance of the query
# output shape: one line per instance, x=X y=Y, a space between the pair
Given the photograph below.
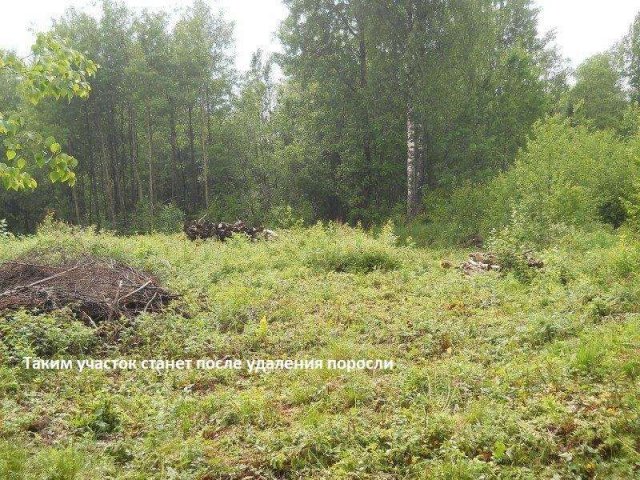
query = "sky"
x=583 y=27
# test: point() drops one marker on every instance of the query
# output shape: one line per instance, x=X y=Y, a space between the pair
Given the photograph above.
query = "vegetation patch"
x=354 y=261
x=494 y=376
x=342 y=250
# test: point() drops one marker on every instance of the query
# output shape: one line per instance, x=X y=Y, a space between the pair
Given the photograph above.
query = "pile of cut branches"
x=203 y=229
x=95 y=290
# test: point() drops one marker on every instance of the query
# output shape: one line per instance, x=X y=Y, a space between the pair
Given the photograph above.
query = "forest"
x=371 y=111
x=406 y=245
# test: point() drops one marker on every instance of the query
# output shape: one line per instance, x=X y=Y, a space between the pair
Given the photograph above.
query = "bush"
x=356 y=261
x=103 y=421
x=353 y=251
x=63 y=464
x=571 y=175
x=457 y=215
x=511 y=249
x=284 y=217
x=12 y=461
x=566 y=176
x=51 y=335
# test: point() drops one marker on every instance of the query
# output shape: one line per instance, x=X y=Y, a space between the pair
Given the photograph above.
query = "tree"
x=54 y=70
x=412 y=94
x=597 y=98
x=631 y=53
x=202 y=41
x=384 y=106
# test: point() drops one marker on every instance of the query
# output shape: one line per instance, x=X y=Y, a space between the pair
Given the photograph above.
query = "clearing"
x=496 y=375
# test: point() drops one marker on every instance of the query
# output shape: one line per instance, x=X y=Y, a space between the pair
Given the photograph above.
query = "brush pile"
x=95 y=290
x=204 y=230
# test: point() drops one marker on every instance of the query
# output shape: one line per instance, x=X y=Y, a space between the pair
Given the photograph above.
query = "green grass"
x=494 y=377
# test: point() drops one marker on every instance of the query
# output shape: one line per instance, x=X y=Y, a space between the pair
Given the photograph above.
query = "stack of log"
x=532 y=261
x=480 y=262
x=202 y=229
x=488 y=262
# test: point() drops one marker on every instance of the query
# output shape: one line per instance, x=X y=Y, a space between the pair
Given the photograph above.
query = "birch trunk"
x=205 y=159
x=412 y=196
x=150 y=160
x=411 y=164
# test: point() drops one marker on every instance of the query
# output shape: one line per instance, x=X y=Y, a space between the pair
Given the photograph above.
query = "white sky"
x=584 y=27
x=255 y=20
x=587 y=27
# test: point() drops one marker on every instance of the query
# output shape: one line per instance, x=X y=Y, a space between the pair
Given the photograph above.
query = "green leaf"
x=499 y=450
x=21 y=163
x=11 y=154
x=55 y=148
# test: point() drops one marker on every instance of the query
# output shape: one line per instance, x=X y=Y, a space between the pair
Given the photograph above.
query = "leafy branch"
x=54 y=71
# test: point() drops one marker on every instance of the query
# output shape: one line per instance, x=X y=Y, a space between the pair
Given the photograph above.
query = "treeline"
x=382 y=109
x=143 y=135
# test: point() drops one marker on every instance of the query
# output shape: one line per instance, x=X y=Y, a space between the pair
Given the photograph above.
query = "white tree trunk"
x=411 y=164
x=205 y=159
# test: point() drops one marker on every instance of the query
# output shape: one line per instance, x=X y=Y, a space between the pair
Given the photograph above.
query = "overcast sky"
x=584 y=27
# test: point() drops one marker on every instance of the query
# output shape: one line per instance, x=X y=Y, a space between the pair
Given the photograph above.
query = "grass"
x=494 y=377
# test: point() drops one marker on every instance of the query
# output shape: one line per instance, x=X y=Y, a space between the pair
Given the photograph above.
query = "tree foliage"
x=597 y=98
x=373 y=109
x=54 y=70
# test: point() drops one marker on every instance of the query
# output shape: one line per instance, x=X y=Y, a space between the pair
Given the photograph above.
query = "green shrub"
x=51 y=335
x=571 y=175
x=565 y=176
x=4 y=229
x=356 y=252
x=103 y=421
x=354 y=260
x=13 y=461
x=453 y=216
x=284 y=217
x=63 y=464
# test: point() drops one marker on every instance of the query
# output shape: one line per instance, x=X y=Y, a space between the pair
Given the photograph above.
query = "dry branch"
x=90 y=287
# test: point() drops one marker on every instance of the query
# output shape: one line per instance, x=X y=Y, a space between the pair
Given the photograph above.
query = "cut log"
x=202 y=229
x=488 y=262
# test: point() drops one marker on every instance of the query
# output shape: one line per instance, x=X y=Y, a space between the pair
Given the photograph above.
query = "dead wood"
x=202 y=229
x=486 y=262
x=94 y=289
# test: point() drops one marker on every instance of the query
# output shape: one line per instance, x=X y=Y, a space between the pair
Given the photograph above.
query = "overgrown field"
x=526 y=375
